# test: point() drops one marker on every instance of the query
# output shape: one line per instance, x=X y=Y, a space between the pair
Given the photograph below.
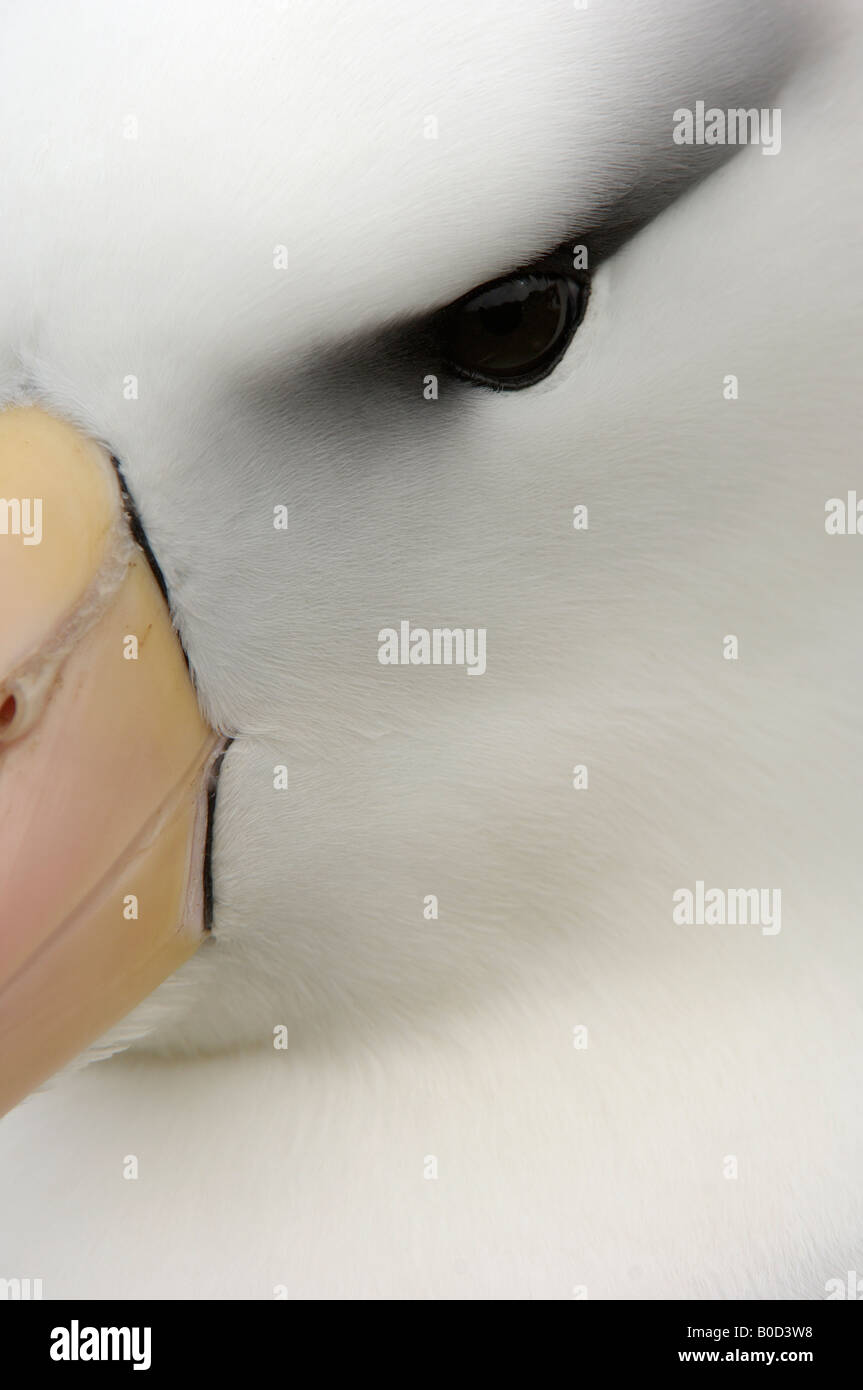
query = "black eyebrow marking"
x=604 y=232
x=383 y=357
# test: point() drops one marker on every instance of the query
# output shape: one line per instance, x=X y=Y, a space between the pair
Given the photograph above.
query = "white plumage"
x=152 y=257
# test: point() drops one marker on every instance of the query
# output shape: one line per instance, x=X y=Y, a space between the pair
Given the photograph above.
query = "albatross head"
x=229 y=365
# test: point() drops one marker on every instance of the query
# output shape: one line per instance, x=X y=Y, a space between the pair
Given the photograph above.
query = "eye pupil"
x=513 y=332
x=501 y=318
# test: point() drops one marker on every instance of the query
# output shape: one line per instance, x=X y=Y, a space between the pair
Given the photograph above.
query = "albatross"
x=322 y=976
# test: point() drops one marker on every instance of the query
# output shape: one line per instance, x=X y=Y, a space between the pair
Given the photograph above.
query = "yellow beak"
x=105 y=759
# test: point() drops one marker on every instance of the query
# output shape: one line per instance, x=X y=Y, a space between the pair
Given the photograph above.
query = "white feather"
x=301 y=125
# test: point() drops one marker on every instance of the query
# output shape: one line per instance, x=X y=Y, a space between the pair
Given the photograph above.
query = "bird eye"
x=513 y=332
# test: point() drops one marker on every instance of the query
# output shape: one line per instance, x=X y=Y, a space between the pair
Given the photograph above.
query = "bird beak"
x=105 y=759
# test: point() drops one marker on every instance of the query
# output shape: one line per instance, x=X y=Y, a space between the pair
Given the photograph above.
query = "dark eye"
x=512 y=332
